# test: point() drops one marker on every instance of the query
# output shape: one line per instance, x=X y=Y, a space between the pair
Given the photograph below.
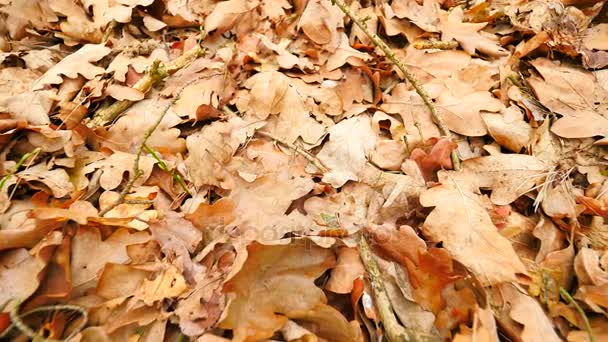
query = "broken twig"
x=406 y=72
x=435 y=44
x=158 y=72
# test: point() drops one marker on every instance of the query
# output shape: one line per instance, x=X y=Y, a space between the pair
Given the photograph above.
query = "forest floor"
x=306 y=170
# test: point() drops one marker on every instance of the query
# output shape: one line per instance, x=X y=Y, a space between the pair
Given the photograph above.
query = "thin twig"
x=571 y=300
x=158 y=72
x=435 y=44
x=137 y=172
x=406 y=72
x=314 y=160
x=163 y=166
x=395 y=332
x=18 y=323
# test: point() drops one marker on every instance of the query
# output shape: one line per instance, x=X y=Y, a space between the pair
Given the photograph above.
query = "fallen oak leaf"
x=508 y=175
x=473 y=240
x=266 y=285
x=78 y=63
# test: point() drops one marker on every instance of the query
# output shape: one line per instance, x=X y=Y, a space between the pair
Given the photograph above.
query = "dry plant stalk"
x=406 y=72
x=395 y=332
x=158 y=72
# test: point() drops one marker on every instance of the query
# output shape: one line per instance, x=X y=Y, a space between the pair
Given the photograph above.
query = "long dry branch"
x=406 y=72
x=158 y=72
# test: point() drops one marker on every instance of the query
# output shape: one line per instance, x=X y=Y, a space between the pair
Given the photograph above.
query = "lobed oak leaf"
x=473 y=240
x=462 y=113
x=350 y=143
x=573 y=93
x=508 y=175
x=345 y=54
x=118 y=163
x=453 y=27
x=275 y=283
x=78 y=63
x=57 y=180
x=90 y=254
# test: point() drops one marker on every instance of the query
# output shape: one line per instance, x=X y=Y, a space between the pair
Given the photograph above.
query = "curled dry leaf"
x=348 y=268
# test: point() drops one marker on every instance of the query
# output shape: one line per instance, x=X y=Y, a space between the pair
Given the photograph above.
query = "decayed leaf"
x=264 y=295
x=473 y=240
x=78 y=63
x=345 y=154
x=508 y=175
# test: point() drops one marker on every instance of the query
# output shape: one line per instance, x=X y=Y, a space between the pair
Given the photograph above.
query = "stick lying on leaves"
x=158 y=72
x=137 y=172
x=395 y=332
x=408 y=74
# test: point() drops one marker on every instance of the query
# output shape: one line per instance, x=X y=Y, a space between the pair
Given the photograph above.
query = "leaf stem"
x=568 y=297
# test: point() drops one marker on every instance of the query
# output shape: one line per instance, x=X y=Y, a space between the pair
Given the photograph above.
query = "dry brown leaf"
x=116 y=165
x=78 y=63
x=57 y=180
x=509 y=129
x=264 y=295
x=573 y=93
x=226 y=14
x=90 y=253
x=117 y=280
x=350 y=143
x=472 y=240
x=19 y=274
x=348 y=268
x=508 y=175
x=320 y=22
x=453 y=27
x=528 y=312
x=462 y=113
x=127 y=133
x=169 y=283
x=425 y=16
x=595 y=37
x=588 y=268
